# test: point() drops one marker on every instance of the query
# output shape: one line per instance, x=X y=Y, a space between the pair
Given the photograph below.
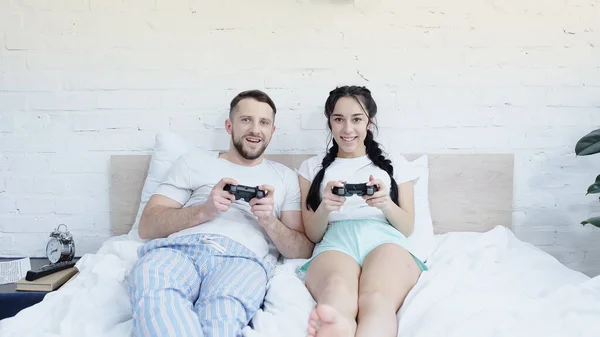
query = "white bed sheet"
x=489 y=284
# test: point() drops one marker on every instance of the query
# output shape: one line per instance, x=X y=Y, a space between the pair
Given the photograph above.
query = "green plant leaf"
x=588 y=144
x=592 y=221
x=593 y=189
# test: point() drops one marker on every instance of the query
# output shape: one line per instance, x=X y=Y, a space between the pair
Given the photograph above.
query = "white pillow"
x=422 y=242
x=167 y=148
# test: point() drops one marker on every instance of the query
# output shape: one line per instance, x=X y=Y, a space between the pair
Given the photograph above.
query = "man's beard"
x=239 y=146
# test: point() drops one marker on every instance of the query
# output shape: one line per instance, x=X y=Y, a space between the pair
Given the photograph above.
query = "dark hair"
x=254 y=94
x=367 y=103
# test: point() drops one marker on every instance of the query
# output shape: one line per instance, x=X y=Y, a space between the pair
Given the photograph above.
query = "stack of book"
x=49 y=282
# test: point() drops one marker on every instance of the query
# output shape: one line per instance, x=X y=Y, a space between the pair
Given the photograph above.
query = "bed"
x=482 y=280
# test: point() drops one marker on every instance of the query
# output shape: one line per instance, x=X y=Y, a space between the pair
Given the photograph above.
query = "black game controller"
x=244 y=192
x=358 y=189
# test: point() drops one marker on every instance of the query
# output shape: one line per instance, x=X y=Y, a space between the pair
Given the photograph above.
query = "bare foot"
x=325 y=321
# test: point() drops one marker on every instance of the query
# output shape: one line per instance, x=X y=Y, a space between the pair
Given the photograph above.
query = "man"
x=205 y=272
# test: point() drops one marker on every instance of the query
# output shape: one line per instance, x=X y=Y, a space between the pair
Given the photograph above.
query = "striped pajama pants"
x=196 y=285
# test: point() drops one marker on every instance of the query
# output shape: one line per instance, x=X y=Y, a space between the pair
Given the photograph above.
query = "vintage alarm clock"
x=61 y=246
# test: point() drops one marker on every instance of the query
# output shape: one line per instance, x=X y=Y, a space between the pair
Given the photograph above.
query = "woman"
x=359 y=273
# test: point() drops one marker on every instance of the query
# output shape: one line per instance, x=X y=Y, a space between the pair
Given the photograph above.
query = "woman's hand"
x=380 y=199
x=331 y=202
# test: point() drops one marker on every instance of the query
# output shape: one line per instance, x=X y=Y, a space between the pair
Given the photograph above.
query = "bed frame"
x=467 y=192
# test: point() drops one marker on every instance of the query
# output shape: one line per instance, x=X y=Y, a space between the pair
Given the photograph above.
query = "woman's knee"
x=337 y=282
x=334 y=285
x=319 y=279
x=345 y=290
x=368 y=300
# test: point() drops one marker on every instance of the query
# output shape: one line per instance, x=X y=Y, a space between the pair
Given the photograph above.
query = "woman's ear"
x=372 y=124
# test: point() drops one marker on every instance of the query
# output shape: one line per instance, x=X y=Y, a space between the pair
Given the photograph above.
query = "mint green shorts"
x=357 y=238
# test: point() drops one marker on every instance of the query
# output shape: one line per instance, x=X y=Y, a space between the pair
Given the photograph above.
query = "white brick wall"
x=83 y=79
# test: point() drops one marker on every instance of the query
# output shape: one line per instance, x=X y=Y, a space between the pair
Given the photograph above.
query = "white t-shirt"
x=356 y=171
x=193 y=176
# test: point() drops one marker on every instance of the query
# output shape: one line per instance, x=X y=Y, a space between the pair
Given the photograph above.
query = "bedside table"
x=12 y=301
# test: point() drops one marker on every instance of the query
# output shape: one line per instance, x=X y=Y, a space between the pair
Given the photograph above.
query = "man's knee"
x=135 y=275
x=156 y=269
x=229 y=309
x=240 y=291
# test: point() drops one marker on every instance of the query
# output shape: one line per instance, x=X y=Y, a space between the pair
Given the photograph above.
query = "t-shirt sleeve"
x=305 y=170
x=293 y=196
x=309 y=168
x=177 y=185
x=403 y=170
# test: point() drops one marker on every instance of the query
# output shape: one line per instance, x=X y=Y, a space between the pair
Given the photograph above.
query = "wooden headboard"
x=467 y=192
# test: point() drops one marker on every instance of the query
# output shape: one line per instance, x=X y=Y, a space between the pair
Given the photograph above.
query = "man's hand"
x=380 y=199
x=219 y=200
x=263 y=208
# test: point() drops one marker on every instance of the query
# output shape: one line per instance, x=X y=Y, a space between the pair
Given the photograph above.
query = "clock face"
x=53 y=250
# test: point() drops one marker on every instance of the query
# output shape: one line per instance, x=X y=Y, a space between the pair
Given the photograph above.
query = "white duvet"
x=478 y=284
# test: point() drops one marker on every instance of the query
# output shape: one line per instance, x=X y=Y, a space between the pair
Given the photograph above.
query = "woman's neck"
x=359 y=152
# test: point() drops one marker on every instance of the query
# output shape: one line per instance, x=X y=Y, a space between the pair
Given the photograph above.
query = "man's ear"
x=228 y=126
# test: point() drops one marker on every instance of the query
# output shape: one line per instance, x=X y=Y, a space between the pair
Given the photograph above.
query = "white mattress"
x=487 y=284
